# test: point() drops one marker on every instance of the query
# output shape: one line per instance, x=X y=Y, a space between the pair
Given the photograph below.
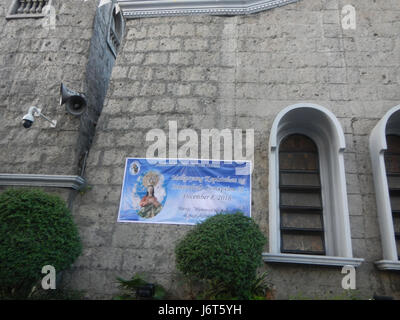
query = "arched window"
x=301 y=213
x=384 y=146
x=392 y=163
x=308 y=212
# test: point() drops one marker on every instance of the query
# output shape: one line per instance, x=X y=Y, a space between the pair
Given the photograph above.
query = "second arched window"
x=392 y=163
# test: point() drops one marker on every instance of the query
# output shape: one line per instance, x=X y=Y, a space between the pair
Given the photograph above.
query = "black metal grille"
x=392 y=163
x=114 y=38
x=115 y=33
x=301 y=213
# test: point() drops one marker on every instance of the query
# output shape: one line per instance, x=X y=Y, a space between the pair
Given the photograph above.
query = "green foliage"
x=129 y=288
x=225 y=250
x=36 y=229
x=85 y=189
x=260 y=286
x=218 y=290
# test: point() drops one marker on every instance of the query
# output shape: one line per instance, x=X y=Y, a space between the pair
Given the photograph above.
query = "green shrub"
x=36 y=229
x=130 y=287
x=225 y=250
x=217 y=290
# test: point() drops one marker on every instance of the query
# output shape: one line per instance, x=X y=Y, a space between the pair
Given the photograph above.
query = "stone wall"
x=34 y=60
x=239 y=72
x=98 y=72
x=203 y=72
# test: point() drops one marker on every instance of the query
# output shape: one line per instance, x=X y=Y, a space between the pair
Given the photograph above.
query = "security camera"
x=28 y=120
x=75 y=102
x=33 y=112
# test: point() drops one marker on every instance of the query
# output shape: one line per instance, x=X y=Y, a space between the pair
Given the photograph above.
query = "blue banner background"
x=185 y=192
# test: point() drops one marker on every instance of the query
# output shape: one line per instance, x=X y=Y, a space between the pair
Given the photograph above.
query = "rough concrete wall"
x=33 y=62
x=98 y=72
x=239 y=72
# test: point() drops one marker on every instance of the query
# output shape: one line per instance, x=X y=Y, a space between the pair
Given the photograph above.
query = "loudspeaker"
x=75 y=102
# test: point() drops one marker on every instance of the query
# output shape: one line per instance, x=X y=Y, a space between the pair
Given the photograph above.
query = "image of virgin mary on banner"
x=183 y=191
x=149 y=206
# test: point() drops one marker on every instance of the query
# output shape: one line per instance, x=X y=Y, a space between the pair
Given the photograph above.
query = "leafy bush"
x=36 y=229
x=131 y=287
x=217 y=290
x=225 y=250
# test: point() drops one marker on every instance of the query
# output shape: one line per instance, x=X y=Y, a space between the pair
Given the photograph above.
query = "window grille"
x=392 y=163
x=301 y=213
x=116 y=30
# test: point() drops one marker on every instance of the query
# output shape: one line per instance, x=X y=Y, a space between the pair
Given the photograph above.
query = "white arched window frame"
x=389 y=124
x=322 y=126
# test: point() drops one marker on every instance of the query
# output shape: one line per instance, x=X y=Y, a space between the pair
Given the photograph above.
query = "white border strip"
x=153 y=8
x=42 y=180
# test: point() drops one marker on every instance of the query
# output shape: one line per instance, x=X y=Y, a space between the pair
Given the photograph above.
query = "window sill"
x=311 y=260
x=388 y=265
